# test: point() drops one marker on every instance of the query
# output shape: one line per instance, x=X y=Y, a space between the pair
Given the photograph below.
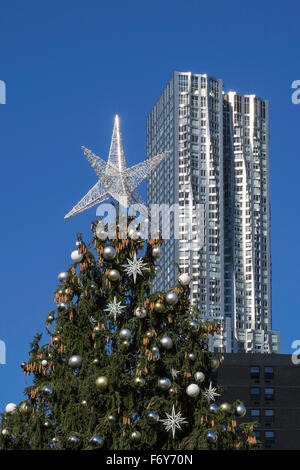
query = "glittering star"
x=134 y=267
x=174 y=373
x=115 y=180
x=114 y=308
x=210 y=393
x=92 y=320
x=173 y=421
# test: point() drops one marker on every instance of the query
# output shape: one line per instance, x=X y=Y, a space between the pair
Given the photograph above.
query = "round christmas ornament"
x=44 y=363
x=172 y=391
x=164 y=383
x=193 y=390
x=155 y=350
x=24 y=407
x=153 y=417
x=241 y=410
x=11 y=408
x=55 y=340
x=75 y=361
x=136 y=436
x=126 y=343
x=76 y=256
x=159 y=307
x=171 y=298
x=63 y=276
x=139 y=381
x=191 y=356
x=141 y=312
x=212 y=436
x=149 y=334
x=114 y=275
x=73 y=439
x=22 y=365
x=102 y=382
x=62 y=306
x=111 y=418
x=47 y=423
x=125 y=333
x=225 y=407
x=95 y=361
x=4 y=432
x=194 y=324
x=199 y=376
x=50 y=318
x=84 y=403
x=166 y=342
x=157 y=252
x=101 y=234
x=215 y=363
x=214 y=408
x=96 y=441
x=47 y=390
x=109 y=253
x=184 y=279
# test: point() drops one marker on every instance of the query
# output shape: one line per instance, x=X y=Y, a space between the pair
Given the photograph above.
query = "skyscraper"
x=218 y=169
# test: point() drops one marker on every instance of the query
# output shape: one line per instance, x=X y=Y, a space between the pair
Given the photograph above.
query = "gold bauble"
x=159 y=307
x=102 y=382
x=114 y=275
x=139 y=381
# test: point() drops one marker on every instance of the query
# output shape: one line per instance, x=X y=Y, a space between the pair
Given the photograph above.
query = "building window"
x=255 y=415
x=269 y=393
x=269 y=372
x=269 y=416
x=269 y=437
x=254 y=372
x=255 y=393
x=257 y=434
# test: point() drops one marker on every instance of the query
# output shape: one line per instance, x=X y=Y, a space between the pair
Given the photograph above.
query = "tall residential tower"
x=218 y=169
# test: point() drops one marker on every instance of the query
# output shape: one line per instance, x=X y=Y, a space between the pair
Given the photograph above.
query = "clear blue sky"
x=69 y=67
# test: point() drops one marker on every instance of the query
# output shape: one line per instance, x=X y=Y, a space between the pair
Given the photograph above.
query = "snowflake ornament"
x=174 y=373
x=210 y=393
x=114 y=308
x=134 y=267
x=173 y=421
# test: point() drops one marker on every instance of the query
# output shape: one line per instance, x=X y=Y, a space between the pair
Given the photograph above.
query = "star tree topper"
x=115 y=180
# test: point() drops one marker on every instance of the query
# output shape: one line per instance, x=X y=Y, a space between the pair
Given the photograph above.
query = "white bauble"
x=11 y=408
x=77 y=257
x=44 y=363
x=184 y=279
x=193 y=390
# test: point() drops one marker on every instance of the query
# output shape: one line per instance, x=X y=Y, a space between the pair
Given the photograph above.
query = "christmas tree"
x=124 y=367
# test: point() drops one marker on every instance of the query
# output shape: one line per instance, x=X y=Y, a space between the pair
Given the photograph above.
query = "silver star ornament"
x=173 y=421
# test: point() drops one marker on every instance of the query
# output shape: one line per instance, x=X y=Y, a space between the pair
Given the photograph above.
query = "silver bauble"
x=191 y=356
x=97 y=441
x=47 y=423
x=95 y=361
x=241 y=410
x=84 y=403
x=136 y=436
x=225 y=407
x=153 y=417
x=155 y=350
x=50 y=318
x=164 y=383
x=149 y=334
x=111 y=418
x=141 y=312
x=76 y=256
x=171 y=298
x=63 y=276
x=212 y=436
x=157 y=252
x=101 y=234
x=44 y=363
x=194 y=324
x=47 y=390
x=73 y=439
x=199 y=376
x=214 y=408
x=193 y=390
x=184 y=279
x=139 y=381
x=125 y=333
x=215 y=363
x=109 y=253
x=62 y=306
x=75 y=361
x=126 y=343
x=114 y=275
x=166 y=342
x=4 y=432
x=102 y=382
